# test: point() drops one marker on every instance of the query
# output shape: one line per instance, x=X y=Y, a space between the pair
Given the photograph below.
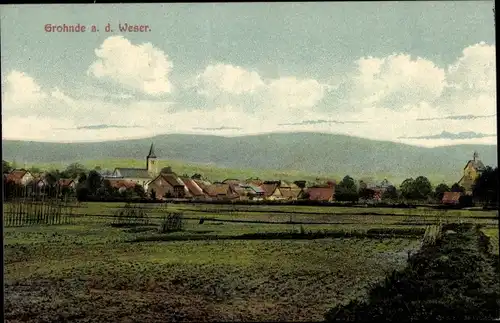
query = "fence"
x=24 y=209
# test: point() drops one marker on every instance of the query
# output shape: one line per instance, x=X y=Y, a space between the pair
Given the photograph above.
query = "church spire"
x=152 y=151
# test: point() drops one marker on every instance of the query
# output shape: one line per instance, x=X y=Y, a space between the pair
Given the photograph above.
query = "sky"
x=421 y=73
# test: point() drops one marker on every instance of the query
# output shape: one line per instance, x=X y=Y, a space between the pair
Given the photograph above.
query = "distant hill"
x=312 y=153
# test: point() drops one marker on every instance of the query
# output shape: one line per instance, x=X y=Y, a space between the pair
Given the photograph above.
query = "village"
x=164 y=184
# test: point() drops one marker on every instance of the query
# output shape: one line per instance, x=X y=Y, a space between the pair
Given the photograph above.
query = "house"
x=321 y=193
x=37 y=186
x=121 y=184
x=203 y=184
x=472 y=170
x=289 y=191
x=19 y=177
x=167 y=185
x=67 y=183
x=301 y=184
x=253 y=192
x=271 y=190
x=280 y=190
x=194 y=191
x=378 y=188
x=451 y=198
x=141 y=176
x=221 y=191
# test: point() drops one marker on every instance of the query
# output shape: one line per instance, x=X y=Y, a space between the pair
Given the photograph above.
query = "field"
x=215 y=270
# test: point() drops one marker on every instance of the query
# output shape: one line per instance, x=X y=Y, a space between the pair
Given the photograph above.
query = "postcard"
x=247 y=161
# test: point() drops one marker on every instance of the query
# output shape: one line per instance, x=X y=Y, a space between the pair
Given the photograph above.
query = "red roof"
x=451 y=197
x=320 y=193
x=269 y=188
x=290 y=193
x=193 y=188
x=218 y=189
x=172 y=179
x=65 y=182
x=254 y=181
x=16 y=176
x=119 y=183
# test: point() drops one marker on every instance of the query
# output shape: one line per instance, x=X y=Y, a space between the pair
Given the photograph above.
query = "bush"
x=452 y=279
x=130 y=216
x=172 y=222
x=465 y=201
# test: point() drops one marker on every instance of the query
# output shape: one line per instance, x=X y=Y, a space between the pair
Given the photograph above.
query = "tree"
x=423 y=187
x=457 y=188
x=346 y=190
x=34 y=170
x=139 y=191
x=407 y=188
x=82 y=192
x=82 y=177
x=166 y=170
x=366 y=193
x=52 y=177
x=390 y=193
x=417 y=189
x=153 y=194
x=74 y=170
x=6 y=167
x=94 y=182
x=440 y=190
x=197 y=176
x=108 y=189
x=486 y=186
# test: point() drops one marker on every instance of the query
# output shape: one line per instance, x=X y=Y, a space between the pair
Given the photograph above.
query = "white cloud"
x=292 y=93
x=140 y=67
x=389 y=93
x=227 y=85
x=396 y=82
x=21 y=89
x=475 y=70
x=228 y=78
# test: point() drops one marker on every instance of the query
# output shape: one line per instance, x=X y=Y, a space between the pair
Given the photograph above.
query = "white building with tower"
x=141 y=176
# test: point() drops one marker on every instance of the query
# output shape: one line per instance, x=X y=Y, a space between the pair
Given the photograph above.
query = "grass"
x=92 y=271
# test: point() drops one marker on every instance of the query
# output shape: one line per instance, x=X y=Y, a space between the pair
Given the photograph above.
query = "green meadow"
x=240 y=263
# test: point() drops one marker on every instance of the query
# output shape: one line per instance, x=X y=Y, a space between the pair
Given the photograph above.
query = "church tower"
x=151 y=163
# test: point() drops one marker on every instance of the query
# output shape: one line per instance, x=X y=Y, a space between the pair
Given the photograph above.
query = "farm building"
x=66 y=183
x=167 y=185
x=280 y=190
x=19 y=177
x=194 y=191
x=451 y=198
x=121 y=184
x=221 y=191
x=321 y=193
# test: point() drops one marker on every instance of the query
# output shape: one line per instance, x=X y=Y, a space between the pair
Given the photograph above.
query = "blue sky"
x=416 y=72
